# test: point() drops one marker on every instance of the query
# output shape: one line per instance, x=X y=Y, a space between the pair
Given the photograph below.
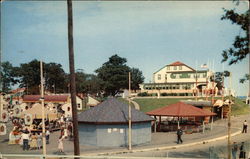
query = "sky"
x=148 y=34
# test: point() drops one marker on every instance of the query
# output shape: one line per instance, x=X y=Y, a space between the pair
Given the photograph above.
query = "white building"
x=179 y=79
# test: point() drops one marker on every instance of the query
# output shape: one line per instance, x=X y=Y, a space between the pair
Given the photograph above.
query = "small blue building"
x=106 y=125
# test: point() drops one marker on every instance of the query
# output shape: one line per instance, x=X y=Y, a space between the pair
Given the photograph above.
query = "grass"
x=125 y=101
x=148 y=104
x=239 y=107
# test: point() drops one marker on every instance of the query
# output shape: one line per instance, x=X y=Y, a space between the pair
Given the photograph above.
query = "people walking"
x=47 y=134
x=244 y=130
x=60 y=144
x=242 y=151
x=179 y=134
x=65 y=134
x=70 y=130
x=25 y=138
x=234 y=150
x=33 y=142
x=39 y=141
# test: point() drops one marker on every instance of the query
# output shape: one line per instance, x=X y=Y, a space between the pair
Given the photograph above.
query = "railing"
x=36 y=156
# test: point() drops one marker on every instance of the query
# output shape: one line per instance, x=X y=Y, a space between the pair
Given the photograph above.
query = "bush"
x=164 y=94
x=153 y=94
x=143 y=94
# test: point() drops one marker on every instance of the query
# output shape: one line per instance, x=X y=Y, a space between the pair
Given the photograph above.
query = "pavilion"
x=179 y=110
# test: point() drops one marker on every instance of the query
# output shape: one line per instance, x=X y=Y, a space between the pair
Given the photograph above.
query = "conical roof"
x=112 y=111
x=36 y=111
x=180 y=109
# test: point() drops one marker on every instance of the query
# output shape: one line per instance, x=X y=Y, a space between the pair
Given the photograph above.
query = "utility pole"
x=1 y=82
x=42 y=101
x=196 y=82
x=72 y=78
x=129 y=113
x=229 y=117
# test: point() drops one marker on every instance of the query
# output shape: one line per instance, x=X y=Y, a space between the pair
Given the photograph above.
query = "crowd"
x=30 y=137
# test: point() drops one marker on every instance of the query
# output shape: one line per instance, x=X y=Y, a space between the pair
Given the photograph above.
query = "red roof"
x=177 y=63
x=180 y=110
x=18 y=90
x=47 y=98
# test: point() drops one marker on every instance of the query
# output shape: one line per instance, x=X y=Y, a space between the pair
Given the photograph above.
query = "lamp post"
x=42 y=102
x=129 y=115
x=229 y=118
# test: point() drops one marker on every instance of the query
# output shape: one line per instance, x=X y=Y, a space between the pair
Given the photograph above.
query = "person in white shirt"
x=47 y=136
x=25 y=137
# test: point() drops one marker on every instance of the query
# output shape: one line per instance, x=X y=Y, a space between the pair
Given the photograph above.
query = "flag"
x=204 y=66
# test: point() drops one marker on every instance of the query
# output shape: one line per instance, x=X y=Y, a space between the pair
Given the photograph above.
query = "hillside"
x=148 y=104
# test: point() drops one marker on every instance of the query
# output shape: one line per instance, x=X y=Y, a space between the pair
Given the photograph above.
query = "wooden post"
x=72 y=78
x=196 y=83
x=1 y=83
x=229 y=118
x=155 y=124
x=212 y=122
x=206 y=87
x=159 y=123
x=42 y=102
x=222 y=111
x=203 y=126
x=178 y=123
x=129 y=115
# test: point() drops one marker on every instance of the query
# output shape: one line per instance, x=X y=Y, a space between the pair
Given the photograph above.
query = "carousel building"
x=106 y=125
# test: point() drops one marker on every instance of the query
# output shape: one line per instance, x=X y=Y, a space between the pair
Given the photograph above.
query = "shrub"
x=143 y=94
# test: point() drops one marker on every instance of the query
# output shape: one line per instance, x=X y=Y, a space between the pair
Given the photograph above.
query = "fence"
x=34 y=156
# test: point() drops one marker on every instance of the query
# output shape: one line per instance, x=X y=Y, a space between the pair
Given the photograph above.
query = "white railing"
x=36 y=156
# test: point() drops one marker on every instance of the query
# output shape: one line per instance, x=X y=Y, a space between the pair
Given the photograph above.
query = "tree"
x=29 y=74
x=136 y=78
x=240 y=48
x=219 y=78
x=114 y=75
x=55 y=77
x=87 y=83
x=8 y=76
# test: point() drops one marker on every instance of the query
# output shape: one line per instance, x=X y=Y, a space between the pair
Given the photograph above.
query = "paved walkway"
x=160 y=141
x=137 y=106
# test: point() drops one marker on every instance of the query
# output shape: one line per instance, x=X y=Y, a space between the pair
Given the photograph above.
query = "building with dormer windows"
x=179 y=79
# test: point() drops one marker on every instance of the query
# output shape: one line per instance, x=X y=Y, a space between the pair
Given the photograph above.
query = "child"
x=60 y=144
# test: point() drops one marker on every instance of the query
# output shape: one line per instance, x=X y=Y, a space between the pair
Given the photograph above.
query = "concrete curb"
x=162 y=147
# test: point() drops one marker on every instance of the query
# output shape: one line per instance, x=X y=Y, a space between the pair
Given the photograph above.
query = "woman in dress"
x=39 y=141
x=33 y=142
x=60 y=144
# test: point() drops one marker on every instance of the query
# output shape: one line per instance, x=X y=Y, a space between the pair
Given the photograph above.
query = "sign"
x=28 y=120
x=2 y=129
x=16 y=111
x=4 y=116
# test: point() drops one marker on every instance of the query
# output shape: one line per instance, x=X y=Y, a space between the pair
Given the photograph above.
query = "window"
x=168 y=67
x=204 y=75
x=166 y=76
x=180 y=67
x=175 y=67
x=159 y=77
x=177 y=76
x=177 y=86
